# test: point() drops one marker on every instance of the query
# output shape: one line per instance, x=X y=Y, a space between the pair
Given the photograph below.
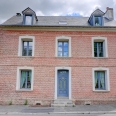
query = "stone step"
x=62 y=103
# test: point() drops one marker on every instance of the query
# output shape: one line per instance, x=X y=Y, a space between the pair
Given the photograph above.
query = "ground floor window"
x=100 y=80
x=25 y=79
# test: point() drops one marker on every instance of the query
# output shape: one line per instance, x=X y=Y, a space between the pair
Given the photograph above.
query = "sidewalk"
x=79 y=109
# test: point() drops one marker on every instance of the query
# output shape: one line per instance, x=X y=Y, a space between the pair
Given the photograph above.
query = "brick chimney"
x=109 y=13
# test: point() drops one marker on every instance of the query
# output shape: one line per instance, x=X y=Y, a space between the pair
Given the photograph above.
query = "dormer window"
x=28 y=19
x=98 y=20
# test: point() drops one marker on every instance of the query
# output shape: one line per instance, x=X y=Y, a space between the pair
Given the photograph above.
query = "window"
x=26 y=46
x=28 y=19
x=101 y=79
x=25 y=82
x=63 y=46
x=99 y=47
x=25 y=77
x=98 y=20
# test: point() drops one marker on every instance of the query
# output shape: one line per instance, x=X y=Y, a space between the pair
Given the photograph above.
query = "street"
x=46 y=114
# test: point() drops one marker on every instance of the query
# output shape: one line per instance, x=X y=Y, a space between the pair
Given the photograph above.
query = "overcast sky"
x=8 y=8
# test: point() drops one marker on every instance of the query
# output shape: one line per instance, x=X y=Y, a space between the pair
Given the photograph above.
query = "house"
x=58 y=60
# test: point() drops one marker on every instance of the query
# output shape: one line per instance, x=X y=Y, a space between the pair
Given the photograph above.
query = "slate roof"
x=54 y=21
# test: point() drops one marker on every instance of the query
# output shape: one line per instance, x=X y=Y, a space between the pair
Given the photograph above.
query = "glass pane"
x=59 y=53
x=65 y=48
x=65 y=53
x=23 y=79
x=65 y=43
x=96 y=80
x=29 y=79
x=25 y=43
x=98 y=21
x=95 y=49
x=100 y=45
x=28 y=20
x=59 y=43
x=102 y=80
x=59 y=49
x=25 y=51
x=30 y=43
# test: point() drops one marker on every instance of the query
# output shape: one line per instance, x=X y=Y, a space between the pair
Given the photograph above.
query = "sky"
x=9 y=8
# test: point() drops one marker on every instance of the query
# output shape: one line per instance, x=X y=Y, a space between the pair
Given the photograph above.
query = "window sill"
x=63 y=57
x=26 y=90
x=101 y=90
x=26 y=56
x=100 y=57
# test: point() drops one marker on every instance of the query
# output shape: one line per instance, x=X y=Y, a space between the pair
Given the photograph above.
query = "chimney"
x=18 y=14
x=109 y=13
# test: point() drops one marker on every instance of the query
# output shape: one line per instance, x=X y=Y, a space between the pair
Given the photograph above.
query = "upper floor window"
x=28 y=19
x=98 y=49
x=27 y=48
x=98 y=20
x=63 y=46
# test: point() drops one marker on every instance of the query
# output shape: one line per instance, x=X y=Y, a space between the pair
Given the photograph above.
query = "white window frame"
x=63 y=38
x=105 y=49
x=26 y=38
x=107 y=80
x=19 y=76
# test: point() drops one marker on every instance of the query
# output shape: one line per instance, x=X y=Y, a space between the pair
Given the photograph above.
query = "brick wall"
x=44 y=63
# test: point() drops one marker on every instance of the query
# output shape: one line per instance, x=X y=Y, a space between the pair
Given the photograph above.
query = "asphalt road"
x=41 y=114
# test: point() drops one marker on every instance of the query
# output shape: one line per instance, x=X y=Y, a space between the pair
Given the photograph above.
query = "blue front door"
x=63 y=83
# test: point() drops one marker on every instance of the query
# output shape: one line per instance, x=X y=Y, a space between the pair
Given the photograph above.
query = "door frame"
x=56 y=79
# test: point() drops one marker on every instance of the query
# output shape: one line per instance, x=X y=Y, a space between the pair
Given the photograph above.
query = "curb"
x=94 y=112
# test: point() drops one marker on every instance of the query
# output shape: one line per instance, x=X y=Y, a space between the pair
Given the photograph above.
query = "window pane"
x=25 y=43
x=65 y=43
x=59 y=49
x=102 y=80
x=23 y=79
x=24 y=51
x=65 y=48
x=30 y=43
x=28 y=20
x=65 y=53
x=96 y=80
x=59 y=53
x=29 y=79
x=95 y=49
x=98 y=21
x=59 y=43
x=30 y=51
x=100 y=47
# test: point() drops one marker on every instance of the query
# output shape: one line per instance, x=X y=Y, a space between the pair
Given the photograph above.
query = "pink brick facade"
x=44 y=63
